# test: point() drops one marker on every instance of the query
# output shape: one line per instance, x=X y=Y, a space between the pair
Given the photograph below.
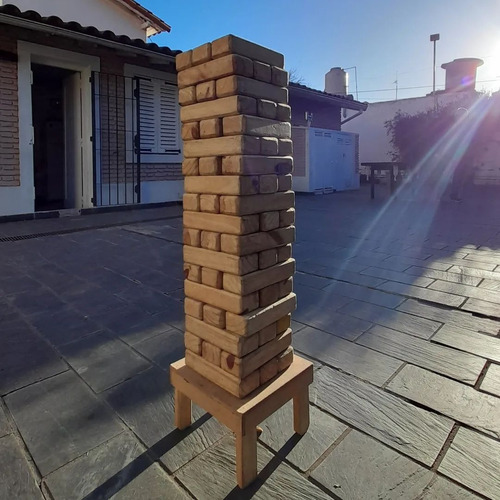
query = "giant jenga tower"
x=238 y=212
x=238 y=229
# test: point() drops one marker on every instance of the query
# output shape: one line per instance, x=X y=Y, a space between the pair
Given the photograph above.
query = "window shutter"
x=148 y=112
x=169 y=118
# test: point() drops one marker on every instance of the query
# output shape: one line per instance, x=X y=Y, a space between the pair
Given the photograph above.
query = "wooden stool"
x=243 y=415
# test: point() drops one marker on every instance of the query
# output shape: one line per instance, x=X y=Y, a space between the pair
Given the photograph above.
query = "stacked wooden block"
x=238 y=213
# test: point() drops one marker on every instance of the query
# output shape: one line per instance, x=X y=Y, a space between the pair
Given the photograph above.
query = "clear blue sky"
x=385 y=39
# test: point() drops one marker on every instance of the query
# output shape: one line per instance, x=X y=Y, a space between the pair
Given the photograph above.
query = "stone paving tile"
x=482 y=307
x=491 y=382
x=422 y=293
x=474 y=461
x=467 y=291
x=400 y=277
x=402 y=263
x=37 y=301
x=406 y=323
x=413 y=431
x=276 y=480
x=489 y=284
x=441 y=394
x=351 y=358
x=302 y=451
x=146 y=404
x=145 y=298
x=367 y=295
x=118 y=468
x=360 y=467
x=443 y=275
x=470 y=271
x=60 y=419
x=486 y=266
x=16 y=480
x=458 y=365
x=163 y=349
x=310 y=280
x=462 y=319
x=103 y=361
x=465 y=340
x=4 y=425
x=25 y=358
x=442 y=489
x=10 y=285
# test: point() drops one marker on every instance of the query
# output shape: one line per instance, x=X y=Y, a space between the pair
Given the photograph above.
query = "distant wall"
x=324 y=115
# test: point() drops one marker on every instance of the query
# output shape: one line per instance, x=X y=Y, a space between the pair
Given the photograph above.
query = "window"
x=159 y=115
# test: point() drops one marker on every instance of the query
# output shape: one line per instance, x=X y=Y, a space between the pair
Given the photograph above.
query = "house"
x=325 y=158
x=88 y=108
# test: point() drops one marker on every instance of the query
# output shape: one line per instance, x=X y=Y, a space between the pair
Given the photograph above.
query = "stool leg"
x=182 y=410
x=301 y=411
x=246 y=456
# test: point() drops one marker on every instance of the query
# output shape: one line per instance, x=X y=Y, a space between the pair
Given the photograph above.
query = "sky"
x=385 y=40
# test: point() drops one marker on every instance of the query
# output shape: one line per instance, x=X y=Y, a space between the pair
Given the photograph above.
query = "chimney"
x=461 y=74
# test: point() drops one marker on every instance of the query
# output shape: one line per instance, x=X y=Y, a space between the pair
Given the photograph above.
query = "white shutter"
x=169 y=118
x=148 y=115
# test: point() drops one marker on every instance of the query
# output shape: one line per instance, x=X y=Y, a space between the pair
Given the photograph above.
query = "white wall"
x=374 y=142
x=103 y=14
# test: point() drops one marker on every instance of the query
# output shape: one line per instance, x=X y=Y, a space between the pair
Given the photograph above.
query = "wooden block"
x=210 y=240
x=184 y=60
x=192 y=271
x=268 y=183
x=230 y=64
x=211 y=127
x=279 y=77
x=222 y=262
x=247 y=205
x=284 y=323
x=202 y=54
x=269 y=295
x=267 y=109
x=214 y=316
x=211 y=277
x=262 y=71
x=218 y=108
x=205 y=91
x=284 y=182
x=237 y=304
x=242 y=367
x=220 y=146
x=190 y=166
x=255 y=125
x=192 y=342
x=268 y=371
x=256 y=242
x=283 y=112
x=187 y=96
x=254 y=321
x=269 y=146
x=268 y=333
x=210 y=203
x=256 y=165
x=228 y=184
x=227 y=341
x=239 y=85
x=191 y=202
x=228 y=382
x=190 y=131
x=210 y=353
x=210 y=165
x=286 y=287
x=231 y=44
x=193 y=308
x=268 y=258
x=268 y=220
x=220 y=223
x=252 y=282
x=287 y=217
x=285 y=147
x=285 y=359
x=284 y=253
x=191 y=237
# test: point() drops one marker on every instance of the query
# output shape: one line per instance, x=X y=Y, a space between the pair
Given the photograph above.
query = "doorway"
x=57 y=129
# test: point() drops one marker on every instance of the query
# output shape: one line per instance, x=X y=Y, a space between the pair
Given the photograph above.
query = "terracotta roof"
x=343 y=101
x=12 y=11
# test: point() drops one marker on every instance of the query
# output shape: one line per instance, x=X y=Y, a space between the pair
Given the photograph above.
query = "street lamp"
x=434 y=38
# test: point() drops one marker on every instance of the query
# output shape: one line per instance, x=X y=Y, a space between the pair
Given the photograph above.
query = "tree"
x=296 y=77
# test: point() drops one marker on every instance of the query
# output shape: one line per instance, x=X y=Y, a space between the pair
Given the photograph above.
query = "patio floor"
x=399 y=309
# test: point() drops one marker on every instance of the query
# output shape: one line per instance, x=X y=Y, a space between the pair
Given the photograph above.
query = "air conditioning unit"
x=325 y=160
